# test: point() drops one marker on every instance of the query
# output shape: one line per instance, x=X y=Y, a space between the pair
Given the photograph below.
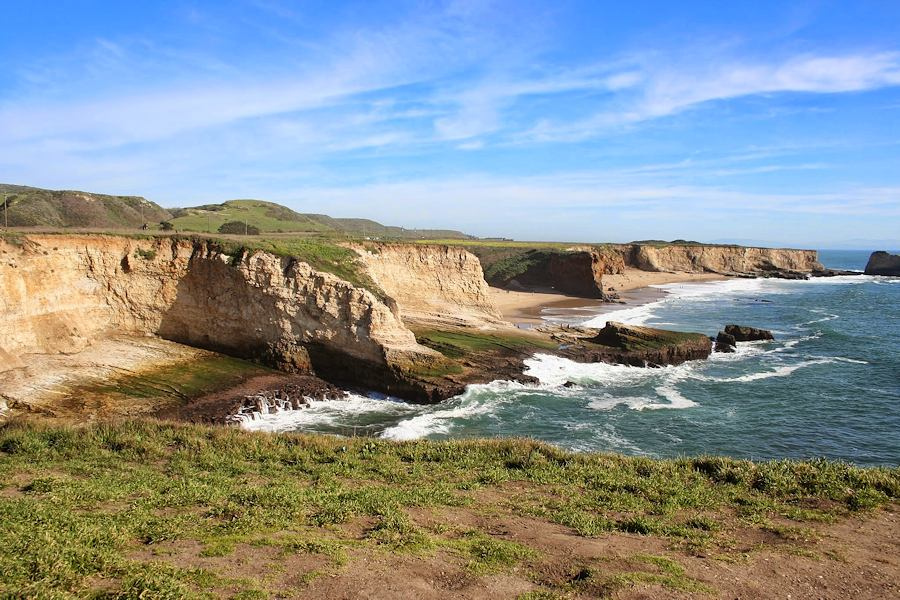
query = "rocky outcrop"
x=434 y=285
x=295 y=395
x=748 y=334
x=63 y=292
x=883 y=263
x=633 y=345
x=725 y=342
x=726 y=260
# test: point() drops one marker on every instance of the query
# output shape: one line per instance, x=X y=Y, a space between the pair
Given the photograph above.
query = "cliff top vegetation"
x=154 y=510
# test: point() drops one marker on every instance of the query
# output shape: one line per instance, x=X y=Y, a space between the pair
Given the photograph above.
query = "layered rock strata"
x=434 y=285
x=725 y=260
x=63 y=292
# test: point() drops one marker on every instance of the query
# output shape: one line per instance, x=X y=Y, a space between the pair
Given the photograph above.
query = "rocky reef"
x=726 y=341
x=883 y=263
x=618 y=343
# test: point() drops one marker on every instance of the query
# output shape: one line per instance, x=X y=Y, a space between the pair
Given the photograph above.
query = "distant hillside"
x=274 y=218
x=267 y=216
x=35 y=207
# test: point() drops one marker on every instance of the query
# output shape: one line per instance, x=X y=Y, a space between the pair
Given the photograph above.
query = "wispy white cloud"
x=438 y=90
x=662 y=88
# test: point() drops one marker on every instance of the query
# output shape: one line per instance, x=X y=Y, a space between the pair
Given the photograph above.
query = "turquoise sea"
x=829 y=386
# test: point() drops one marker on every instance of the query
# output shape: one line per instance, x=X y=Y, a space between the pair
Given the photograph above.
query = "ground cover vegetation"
x=154 y=510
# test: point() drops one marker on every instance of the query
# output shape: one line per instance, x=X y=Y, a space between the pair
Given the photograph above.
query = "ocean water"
x=829 y=386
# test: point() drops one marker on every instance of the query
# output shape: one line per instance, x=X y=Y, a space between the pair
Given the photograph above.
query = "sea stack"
x=883 y=263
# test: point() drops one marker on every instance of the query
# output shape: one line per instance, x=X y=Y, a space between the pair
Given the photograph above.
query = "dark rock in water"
x=883 y=263
x=833 y=273
x=641 y=346
x=748 y=334
x=570 y=384
x=783 y=274
x=725 y=342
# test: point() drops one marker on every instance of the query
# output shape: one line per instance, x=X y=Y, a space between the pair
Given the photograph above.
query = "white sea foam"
x=554 y=371
x=676 y=293
x=675 y=398
x=479 y=399
x=319 y=413
x=608 y=401
x=637 y=315
x=826 y=316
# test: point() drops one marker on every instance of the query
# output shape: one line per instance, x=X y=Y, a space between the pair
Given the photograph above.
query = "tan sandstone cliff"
x=726 y=260
x=60 y=293
x=433 y=285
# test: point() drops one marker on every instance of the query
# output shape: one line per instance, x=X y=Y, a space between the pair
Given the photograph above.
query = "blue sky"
x=766 y=122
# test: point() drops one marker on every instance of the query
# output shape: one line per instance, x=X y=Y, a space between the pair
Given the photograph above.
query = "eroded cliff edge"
x=61 y=293
x=723 y=260
x=580 y=270
x=440 y=286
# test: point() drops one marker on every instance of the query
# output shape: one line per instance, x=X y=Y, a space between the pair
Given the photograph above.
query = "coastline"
x=528 y=309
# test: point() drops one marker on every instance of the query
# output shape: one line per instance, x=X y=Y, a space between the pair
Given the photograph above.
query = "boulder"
x=883 y=263
x=741 y=333
x=725 y=342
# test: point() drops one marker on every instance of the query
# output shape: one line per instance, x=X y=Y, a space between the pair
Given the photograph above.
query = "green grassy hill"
x=267 y=216
x=274 y=218
x=35 y=207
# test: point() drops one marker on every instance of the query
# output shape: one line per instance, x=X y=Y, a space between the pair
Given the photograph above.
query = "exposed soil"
x=854 y=558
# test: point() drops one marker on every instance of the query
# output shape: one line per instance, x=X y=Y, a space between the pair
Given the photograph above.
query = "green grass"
x=274 y=218
x=103 y=510
x=176 y=381
x=320 y=253
x=267 y=216
x=458 y=344
x=667 y=573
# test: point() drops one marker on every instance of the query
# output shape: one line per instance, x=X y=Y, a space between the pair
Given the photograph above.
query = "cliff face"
x=433 y=285
x=63 y=292
x=883 y=263
x=728 y=260
x=577 y=271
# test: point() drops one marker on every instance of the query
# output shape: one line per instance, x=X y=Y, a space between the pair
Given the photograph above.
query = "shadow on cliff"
x=218 y=308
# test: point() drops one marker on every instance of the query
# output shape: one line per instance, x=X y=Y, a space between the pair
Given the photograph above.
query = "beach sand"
x=526 y=309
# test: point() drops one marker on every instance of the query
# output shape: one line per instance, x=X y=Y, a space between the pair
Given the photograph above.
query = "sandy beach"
x=527 y=308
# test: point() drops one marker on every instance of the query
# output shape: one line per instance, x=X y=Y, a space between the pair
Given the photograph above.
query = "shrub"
x=238 y=228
